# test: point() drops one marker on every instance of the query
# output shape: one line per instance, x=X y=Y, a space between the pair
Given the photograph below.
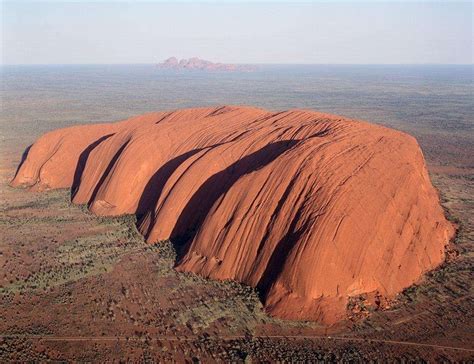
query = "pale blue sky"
x=350 y=32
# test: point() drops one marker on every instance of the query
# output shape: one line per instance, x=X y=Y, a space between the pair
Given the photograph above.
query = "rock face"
x=195 y=63
x=310 y=208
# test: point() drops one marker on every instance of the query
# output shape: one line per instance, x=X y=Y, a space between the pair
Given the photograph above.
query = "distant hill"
x=195 y=63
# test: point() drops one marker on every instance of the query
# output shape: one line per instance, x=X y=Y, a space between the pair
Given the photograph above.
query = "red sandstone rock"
x=310 y=208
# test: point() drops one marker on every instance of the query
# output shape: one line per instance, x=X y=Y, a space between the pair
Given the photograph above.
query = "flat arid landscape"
x=236 y=181
x=77 y=286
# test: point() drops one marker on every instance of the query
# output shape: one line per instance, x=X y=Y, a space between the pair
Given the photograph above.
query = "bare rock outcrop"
x=195 y=63
x=310 y=208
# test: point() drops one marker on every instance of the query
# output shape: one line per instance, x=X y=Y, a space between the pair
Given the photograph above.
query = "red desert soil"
x=310 y=208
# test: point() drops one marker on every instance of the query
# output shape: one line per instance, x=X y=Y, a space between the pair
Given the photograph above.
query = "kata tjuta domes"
x=310 y=208
x=197 y=64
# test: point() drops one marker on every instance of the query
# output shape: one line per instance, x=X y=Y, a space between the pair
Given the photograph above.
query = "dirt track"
x=227 y=338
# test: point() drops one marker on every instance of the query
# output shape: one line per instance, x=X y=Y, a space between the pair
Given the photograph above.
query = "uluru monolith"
x=308 y=207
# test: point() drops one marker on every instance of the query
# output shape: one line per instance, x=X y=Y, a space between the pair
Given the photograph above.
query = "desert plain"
x=76 y=286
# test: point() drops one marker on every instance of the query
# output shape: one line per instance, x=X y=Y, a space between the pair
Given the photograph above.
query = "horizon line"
x=246 y=64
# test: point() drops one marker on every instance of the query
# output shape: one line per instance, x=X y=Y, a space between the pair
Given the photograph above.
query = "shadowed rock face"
x=310 y=208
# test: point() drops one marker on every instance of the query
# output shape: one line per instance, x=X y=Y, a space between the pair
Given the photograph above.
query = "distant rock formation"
x=310 y=208
x=195 y=63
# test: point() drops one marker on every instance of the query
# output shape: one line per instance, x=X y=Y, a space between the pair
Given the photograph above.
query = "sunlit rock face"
x=310 y=208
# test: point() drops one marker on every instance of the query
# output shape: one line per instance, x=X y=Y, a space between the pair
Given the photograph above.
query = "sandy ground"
x=74 y=286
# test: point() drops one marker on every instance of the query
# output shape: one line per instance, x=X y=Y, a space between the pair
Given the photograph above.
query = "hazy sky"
x=61 y=32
